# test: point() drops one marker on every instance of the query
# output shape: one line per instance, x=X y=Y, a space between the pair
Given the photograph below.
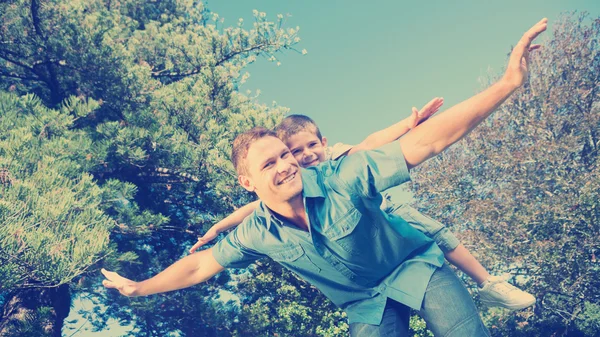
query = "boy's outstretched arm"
x=184 y=273
x=397 y=130
x=230 y=221
x=443 y=130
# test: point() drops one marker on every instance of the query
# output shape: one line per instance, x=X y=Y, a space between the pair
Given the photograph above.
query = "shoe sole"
x=492 y=304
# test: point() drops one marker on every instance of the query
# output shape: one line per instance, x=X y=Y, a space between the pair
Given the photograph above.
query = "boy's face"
x=307 y=148
x=273 y=173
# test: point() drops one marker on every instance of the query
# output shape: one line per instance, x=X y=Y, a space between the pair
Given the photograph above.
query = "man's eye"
x=269 y=164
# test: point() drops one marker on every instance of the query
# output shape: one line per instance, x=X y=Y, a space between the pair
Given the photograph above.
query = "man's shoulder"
x=256 y=219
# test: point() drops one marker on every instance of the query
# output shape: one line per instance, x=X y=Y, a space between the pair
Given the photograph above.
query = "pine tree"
x=151 y=90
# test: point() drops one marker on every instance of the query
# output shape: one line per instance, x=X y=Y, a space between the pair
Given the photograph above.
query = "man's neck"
x=292 y=211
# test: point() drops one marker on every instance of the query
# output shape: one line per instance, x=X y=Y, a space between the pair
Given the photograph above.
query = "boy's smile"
x=307 y=148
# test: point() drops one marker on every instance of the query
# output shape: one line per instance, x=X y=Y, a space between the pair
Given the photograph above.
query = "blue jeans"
x=448 y=310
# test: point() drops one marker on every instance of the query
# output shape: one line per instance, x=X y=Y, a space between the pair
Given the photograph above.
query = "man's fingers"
x=112 y=276
x=523 y=46
x=535 y=46
x=107 y=274
x=109 y=284
x=534 y=31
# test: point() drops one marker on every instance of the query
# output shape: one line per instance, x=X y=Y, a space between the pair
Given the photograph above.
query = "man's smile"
x=288 y=179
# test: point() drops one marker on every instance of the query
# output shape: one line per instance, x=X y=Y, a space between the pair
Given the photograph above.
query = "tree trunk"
x=20 y=314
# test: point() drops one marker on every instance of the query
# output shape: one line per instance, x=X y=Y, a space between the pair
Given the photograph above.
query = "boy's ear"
x=246 y=183
x=324 y=141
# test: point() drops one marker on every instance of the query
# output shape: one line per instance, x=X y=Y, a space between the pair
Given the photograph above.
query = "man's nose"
x=283 y=166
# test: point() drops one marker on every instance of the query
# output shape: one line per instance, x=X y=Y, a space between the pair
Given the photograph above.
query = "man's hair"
x=293 y=124
x=241 y=144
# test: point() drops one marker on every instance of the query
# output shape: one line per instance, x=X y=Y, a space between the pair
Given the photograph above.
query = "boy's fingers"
x=196 y=246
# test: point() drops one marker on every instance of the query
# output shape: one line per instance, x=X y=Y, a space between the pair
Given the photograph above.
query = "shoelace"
x=501 y=285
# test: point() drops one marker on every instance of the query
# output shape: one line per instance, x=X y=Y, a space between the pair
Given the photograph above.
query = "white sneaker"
x=496 y=292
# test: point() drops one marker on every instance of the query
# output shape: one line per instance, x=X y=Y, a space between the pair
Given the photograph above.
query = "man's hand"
x=125 y=286
x=518 y=64
x=419 y=116
x=210 y=235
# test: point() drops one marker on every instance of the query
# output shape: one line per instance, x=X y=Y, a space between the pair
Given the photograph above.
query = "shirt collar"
x=310 y=184
x=310 y=189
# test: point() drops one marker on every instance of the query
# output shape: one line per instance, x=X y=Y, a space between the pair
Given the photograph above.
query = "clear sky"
x=369 y=62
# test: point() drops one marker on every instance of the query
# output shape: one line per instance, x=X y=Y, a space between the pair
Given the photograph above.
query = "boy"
x=303 y=138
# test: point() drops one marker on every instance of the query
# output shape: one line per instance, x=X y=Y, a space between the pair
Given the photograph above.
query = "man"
x=325 y=224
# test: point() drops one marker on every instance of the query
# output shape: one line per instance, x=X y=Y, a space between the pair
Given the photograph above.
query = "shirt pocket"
x=294 y=258
x=350 y=233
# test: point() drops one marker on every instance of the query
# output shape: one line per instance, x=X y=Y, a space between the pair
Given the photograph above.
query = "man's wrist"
x=507 y=85
x=138 y=289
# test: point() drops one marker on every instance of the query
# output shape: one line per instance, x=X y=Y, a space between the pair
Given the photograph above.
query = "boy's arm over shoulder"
x=337 y=151
x=230 y=221
x=397 y=130
x=368 y=173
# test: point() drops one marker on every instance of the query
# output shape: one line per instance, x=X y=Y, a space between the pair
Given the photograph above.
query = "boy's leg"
x=396 y=318
x=494 y=291
x=467 y=263
x=454 y=252
x=448 y=307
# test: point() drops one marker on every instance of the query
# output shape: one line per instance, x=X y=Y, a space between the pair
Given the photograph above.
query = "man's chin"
x=291 y=193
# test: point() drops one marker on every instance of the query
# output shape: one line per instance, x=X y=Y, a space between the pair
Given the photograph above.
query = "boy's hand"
x=518 y=63
x=210 y=235
x=125 y=286
x=419 y=116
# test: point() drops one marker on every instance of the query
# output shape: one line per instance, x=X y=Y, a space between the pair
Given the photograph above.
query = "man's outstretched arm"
x=184 y=273
x=439 y=132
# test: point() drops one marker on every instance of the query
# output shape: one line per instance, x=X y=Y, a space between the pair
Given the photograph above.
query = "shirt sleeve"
x=233 y=251
x=368 y=173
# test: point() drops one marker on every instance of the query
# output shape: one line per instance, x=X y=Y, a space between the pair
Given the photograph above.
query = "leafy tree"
x=163 y=78
x=54 y=226
x=522 y=189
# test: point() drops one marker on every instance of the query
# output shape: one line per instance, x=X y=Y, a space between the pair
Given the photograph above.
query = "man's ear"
x=246 y=183
x=324 y=141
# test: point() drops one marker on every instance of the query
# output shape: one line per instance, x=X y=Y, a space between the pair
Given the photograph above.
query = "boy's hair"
x=241 y=144
x=293 y=124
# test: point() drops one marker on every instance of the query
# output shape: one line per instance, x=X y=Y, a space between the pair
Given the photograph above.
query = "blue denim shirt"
x=355 y=253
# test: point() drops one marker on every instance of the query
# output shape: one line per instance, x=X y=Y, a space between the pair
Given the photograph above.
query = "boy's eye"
x=313 y=144
x=295 y=152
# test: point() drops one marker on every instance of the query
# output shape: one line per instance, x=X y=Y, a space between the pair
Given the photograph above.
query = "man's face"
x=273 y=173
x=307 y=148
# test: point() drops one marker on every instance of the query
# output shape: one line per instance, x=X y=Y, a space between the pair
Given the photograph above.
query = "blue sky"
x=368 y=63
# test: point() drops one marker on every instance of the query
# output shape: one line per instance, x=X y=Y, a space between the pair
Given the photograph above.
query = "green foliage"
x=522 y=189
x=150 y=89
x=53 y=227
